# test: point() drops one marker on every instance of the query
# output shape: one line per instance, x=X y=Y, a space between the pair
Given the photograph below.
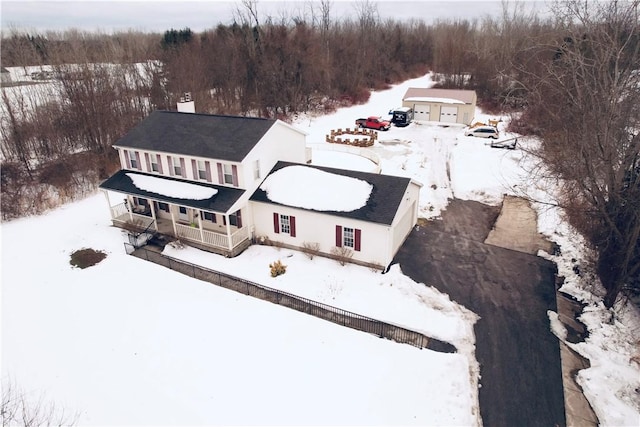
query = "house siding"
x=318 y=227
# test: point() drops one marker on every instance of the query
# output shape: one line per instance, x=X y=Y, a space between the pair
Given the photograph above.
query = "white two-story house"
x=191 y=175
x=198 y=177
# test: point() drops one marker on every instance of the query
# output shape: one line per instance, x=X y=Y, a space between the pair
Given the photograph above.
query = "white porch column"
x=173 y=220
x=129 y=206
x=199 y=214
x=106 y=195
x=152 y=206
x=229 y=241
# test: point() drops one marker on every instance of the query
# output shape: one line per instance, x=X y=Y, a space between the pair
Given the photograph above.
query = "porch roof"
x=220 y=202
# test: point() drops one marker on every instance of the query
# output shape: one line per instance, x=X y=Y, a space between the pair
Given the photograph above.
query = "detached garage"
x=441 y=105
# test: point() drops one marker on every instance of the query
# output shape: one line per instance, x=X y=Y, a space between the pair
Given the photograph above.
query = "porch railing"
x=215 y=239
x=211 y=238
x=239 y=236
x=118 y=210
x=188 y=232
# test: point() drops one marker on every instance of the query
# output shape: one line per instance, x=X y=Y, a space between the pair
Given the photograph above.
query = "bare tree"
x=18 y=408
x=585 y=104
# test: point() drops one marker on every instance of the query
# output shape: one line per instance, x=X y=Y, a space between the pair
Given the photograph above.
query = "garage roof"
x=465 y=96
x=381 y=207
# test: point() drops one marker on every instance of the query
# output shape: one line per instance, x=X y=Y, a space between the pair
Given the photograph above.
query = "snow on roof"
x=177 y=189
x=462 y=95
x=310 y=188
x=433 y=99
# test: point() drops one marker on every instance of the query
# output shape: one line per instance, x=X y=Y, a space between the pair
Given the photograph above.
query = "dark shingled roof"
x=383 y=202
x=201 y=135
x=219 y=202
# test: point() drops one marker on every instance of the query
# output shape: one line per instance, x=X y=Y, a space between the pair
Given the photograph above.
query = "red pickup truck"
x=373 y=122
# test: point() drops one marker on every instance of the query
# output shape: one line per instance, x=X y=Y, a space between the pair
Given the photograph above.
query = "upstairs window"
x=154 y=163
x=177 y=166
x=133 y=160
x=202 y=170
x=228 y=174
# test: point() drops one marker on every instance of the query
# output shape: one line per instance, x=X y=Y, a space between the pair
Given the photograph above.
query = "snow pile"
x=433 y=99
x=310 y=188
x=170 y=188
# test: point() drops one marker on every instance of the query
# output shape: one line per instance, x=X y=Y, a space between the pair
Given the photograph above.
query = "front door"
x=182 y=214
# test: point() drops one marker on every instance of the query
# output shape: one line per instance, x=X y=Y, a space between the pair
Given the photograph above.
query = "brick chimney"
x=186 y=104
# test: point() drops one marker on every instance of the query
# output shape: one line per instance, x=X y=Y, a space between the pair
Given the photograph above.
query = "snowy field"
x=129 y=342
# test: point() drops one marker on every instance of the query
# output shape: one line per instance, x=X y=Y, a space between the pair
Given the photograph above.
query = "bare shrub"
x=342 y=254
x=311 y=249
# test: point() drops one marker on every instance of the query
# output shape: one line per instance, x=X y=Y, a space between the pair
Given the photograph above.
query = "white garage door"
x=449 y=114
x=420 y=112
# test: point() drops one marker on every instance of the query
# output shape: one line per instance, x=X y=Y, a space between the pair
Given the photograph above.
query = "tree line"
x=572 y=79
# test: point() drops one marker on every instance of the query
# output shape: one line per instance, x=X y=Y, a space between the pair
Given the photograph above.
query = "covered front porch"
x=195 y=222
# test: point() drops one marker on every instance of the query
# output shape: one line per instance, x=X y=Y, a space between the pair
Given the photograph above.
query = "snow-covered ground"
x=129 y=342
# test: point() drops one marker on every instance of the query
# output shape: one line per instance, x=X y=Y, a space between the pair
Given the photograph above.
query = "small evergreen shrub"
x=277 y=268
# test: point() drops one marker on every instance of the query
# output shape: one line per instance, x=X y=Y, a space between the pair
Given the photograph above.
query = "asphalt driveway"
x=521 y=377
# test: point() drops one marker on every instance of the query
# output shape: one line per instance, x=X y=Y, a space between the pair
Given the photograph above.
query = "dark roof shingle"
x=200 y=135
x=219 y=202
x=381 y=206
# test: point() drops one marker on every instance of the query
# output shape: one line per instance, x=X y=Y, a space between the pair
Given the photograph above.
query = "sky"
x=161 y=15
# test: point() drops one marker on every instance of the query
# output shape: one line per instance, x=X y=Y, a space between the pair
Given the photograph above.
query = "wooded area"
x=575 y=78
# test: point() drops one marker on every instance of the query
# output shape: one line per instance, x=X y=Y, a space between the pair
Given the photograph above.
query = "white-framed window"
x=177 y=166
x=154 y=163
x=228 y=174
x=133 y=160
x=202 y=170
x=285 y=224
x=256 y=169
x=348 y=238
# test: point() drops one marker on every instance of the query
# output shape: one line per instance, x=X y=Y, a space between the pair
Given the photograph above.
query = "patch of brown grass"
x=86 y=257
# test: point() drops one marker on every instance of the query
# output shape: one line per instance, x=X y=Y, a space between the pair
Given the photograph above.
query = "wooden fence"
x=301 y=304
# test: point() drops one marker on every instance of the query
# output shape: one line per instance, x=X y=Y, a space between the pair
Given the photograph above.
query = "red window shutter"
x=159 y=162
x=138 y=163
x=276 y=223
x=234 y=172
x=183 y=169
x=239 y=219
x=208 y=168
x=357 y=237
x=147 y=161
x=220 y=177
x=194 y=169
x=126 y=159
x=292 y=226
x=339 y=236
x=170 y=161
